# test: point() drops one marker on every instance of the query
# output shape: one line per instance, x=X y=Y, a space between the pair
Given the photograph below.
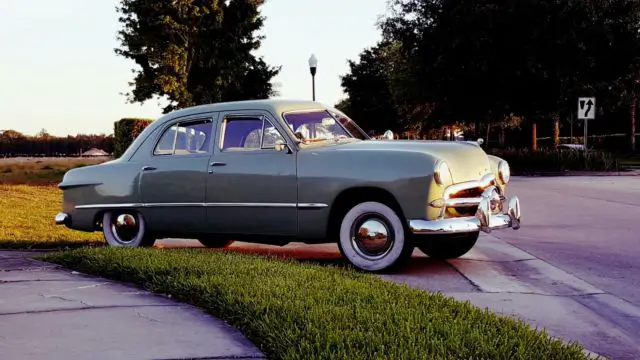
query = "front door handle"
x=148 y=168
x=217 y=163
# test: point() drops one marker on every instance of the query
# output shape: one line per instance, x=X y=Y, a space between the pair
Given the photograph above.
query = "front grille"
x=468 y=193
x=471 y=192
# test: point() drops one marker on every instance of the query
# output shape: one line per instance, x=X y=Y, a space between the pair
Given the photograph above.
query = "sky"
x=59 y=72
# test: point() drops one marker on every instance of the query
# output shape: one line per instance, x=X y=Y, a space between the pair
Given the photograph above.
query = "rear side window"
x=185 y=138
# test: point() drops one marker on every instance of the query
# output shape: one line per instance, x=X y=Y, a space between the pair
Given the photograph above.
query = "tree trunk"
x=534 y=138
x=486 y=142
x=478 y=129
x=556 y=130
x=632 y=129
x=501 y=136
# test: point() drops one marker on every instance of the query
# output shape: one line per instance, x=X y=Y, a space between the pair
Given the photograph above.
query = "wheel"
x=372 y=237
x=215 y=242
x=449 y=246
x=125 y=228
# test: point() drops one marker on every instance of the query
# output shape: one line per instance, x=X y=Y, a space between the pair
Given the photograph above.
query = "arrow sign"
x=586 y=108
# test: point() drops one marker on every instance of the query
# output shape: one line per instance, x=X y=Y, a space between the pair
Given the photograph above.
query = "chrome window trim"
x=230 y=204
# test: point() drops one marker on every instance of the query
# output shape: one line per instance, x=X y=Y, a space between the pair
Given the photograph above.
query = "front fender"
x=324 y=175
x=494 y=161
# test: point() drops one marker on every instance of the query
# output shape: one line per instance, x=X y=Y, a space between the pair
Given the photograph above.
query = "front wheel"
x=126 y=229
x=372 y=237
x=448 y=246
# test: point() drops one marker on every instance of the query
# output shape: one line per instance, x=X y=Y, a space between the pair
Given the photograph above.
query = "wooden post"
x=556 y=130
x=632 y=129
x=534 y=138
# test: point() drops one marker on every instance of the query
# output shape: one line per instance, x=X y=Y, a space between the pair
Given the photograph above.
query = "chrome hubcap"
x=371 y=237
x=125 y=228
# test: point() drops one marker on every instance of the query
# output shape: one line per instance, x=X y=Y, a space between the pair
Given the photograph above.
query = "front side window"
x=192 y=137
x=248 y=134
x=316 y=125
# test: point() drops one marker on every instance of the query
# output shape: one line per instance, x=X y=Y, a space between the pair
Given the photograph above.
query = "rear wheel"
x=372 y=237
x=448 y=246
x=125 y=228
x=215 y=242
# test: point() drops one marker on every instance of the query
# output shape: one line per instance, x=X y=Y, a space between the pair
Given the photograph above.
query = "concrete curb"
x=588 y=353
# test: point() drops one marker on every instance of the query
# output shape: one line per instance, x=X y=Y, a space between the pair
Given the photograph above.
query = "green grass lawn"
x=294 y=310
x=27 y=220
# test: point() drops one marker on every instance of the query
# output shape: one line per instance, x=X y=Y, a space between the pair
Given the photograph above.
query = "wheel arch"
x=349 y=197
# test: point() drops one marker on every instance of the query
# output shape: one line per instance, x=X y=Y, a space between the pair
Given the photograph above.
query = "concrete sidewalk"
x=47 y=312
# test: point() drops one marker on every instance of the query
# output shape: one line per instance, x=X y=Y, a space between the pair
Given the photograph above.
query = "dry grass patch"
x=40 y=171
x=27 y=219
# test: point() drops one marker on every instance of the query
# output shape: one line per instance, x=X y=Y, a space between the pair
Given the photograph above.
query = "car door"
x=174 y=176
x=253 y=186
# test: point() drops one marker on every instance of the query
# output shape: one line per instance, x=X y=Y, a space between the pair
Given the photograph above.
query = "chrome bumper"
x=62 y=218
x=485 y=219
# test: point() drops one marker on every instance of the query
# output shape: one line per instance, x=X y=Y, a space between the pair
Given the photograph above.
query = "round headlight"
x=504 y=172
x=442 y=173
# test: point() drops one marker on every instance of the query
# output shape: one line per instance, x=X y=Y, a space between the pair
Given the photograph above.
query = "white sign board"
x=586 y=108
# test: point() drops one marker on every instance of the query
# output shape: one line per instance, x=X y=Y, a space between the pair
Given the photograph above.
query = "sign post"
x=586 y=112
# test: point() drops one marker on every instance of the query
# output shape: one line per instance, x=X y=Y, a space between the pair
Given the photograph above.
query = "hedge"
x=125 y=131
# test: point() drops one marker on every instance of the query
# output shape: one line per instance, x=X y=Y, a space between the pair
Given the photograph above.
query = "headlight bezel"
x=504 y=172
x=442 y=173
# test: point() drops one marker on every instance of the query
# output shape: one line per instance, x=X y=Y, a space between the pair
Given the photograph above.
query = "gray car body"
x=266 y=195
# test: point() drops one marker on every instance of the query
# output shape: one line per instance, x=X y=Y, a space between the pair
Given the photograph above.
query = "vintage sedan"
x=280 y=171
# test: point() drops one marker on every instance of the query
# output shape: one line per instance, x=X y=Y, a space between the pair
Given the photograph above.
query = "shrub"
x=125 y=131
x=524 y=161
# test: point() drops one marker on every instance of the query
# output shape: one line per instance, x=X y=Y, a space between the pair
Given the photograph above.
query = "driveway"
x=573 y=268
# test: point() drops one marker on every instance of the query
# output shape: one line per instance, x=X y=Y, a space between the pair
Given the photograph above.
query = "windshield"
x=319 y=125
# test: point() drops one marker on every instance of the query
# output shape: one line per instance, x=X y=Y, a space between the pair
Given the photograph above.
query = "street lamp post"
x=313 y=64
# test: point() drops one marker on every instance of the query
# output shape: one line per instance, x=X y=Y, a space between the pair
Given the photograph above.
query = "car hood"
x=466 y=160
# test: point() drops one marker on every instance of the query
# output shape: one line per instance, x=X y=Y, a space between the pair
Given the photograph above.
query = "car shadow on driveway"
x=421 y=271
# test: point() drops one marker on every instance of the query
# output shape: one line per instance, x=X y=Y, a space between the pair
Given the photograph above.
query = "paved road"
x=573 y=268
x=51 y=313
x=589 y=226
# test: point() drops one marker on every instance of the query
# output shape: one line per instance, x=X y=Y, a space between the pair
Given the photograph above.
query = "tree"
x=194 y=51
x=370 y=101
x=481 y=61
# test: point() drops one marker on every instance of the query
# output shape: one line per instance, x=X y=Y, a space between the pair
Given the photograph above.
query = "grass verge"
x=293 y=310
x=27 y=220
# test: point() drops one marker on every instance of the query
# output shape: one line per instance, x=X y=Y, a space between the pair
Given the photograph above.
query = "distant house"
x=95 y=152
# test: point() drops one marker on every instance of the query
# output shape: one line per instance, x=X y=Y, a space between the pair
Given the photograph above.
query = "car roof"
x=276 y=106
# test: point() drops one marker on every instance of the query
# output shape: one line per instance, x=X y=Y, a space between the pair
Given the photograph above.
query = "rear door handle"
x=217 y=163
x=148 y=168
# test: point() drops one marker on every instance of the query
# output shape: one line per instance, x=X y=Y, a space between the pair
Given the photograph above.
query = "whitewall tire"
x=372 y=237
x=125 y=229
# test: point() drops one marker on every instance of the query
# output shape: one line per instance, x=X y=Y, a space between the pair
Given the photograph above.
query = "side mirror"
x=480 y=141
x=281 y=145
x=388 y=135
